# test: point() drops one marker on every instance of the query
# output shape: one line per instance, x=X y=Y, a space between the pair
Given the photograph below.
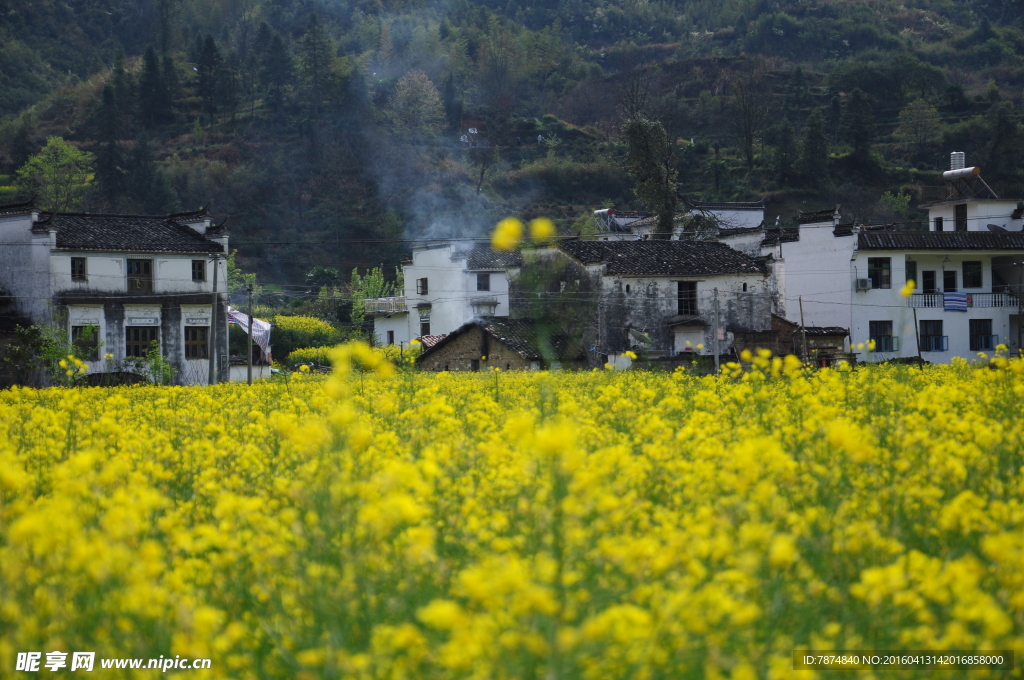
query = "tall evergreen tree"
x=1004 y=148
x=316 y=54
x=152 y=90
x=814 y=151
x=110 y=171
x=785 y=152
x=452 y=104
x=275 y=73
x=859 y=125
x=170 y=74
x=147 y=186
x=231 y=84
x=650 y=161
x=123 y=91
x=209 y=67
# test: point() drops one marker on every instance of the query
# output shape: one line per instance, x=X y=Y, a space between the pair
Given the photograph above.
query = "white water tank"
x=957 y=160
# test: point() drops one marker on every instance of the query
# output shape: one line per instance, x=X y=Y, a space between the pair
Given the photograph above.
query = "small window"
x=474 y=364
x=744 y=288
x=932 y=339
x=421 y=286
x=960 y=216
x=687 y=291
x=196 y=343
x=911 y=271
x=198 y=270
x=949 y=281
x=140 y=276
x=483 y=281
x=78 y=272
x=938 y=224
x=972 y=274
x=928 y=282
x=391 y=337
x=139 y=339
x=881 y=333
x=424 y=328
x=880 y=272
x=627 y=287
x=86 y=341
x=981 y=335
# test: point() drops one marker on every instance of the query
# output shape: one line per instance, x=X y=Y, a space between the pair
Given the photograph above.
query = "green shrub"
x=293 y=332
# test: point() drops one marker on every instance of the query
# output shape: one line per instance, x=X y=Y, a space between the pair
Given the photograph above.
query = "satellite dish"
x=640 y=337
x=996 y=227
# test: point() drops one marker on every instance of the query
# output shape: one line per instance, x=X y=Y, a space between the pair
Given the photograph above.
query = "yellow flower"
x=908 y=289
x=630 y=354
x=542 y=229
x=304 y=368
x=507 y=235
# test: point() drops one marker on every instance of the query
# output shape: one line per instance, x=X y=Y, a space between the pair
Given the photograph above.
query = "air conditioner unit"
x=863 y=284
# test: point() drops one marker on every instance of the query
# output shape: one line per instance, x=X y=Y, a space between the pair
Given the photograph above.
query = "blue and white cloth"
x=954 y=302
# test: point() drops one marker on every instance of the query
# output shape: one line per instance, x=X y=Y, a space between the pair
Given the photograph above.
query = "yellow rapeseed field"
x=550 y=526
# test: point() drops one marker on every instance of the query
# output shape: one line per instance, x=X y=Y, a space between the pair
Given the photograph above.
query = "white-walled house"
x=966 y=271
x=136 y=279
x=446 y=286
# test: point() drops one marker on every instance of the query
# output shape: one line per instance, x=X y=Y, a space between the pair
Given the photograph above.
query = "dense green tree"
x=920 y=127
x=1002 y=158
x=22 y=146
x=316 y=57
x=785 y=152
x=452 y=104
x=416 y=106
x=858 y=126
x=124 y=93
x=814 y=151
x=209 y=66
x=59 y=175
x=650 y=161
x=146 y=185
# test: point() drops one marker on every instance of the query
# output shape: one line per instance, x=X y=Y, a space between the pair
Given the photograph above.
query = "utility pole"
x=248 y=289
x=803 y=328
x=917 y=337
x=212 y=380
x=1020 y=306
x=715 y=341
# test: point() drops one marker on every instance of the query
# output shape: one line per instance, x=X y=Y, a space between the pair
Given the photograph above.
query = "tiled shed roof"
x=519 y=335
x=940 y=240
x=773 y=237
x=826 y=330
x=134 y=233
x=483 y=256
x=665 y=258
x=429 y=341
x=816 y=216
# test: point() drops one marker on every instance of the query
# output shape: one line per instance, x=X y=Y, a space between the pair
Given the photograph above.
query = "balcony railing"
x=389 y=305
x=934 y=343
x=973 y=300
x=887 y=343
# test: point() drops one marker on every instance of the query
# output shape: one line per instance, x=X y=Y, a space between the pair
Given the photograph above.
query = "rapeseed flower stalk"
x=610 y=524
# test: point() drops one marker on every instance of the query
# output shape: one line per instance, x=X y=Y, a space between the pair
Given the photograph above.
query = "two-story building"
x=446 y=286
x=120 y=283
x=967 y=271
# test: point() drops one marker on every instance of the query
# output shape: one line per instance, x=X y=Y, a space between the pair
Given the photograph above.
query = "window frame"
x=144 y=279
x=82 y=275
x=391 y=337
x=975 y=337
x=934 y=287
x=197 y=348
x=960 y=217
x=129 y=343
x=911 y=272
x=928 y=342
x=483 y=281
x=199 y=267
x=424 y=328
x=977 y=270
x=881 y=332
x=939 y=223
x=882 y=266
x=93 y=345
x=686 y=298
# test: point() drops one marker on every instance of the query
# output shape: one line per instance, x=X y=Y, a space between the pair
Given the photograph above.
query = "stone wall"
x=459 y=354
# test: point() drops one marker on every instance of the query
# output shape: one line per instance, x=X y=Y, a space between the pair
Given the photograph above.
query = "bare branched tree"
x=750 y=100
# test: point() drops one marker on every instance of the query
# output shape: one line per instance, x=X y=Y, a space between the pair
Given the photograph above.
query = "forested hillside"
x=331 y=133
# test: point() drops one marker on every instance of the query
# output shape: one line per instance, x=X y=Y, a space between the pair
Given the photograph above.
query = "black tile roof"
x=483 y=256
x=18 y=208
x=739 y=231
x=940 y=240
x=522 y=336
x=826 y=330
x=816 y=216
x=134 y=233
x=664 y=258
x=722 y=205
x=773 y=237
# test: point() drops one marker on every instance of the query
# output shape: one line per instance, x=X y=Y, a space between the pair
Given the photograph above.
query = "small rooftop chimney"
x=957 y=160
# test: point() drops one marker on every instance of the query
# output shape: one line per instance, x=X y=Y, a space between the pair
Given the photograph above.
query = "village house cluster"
x=827 y=289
